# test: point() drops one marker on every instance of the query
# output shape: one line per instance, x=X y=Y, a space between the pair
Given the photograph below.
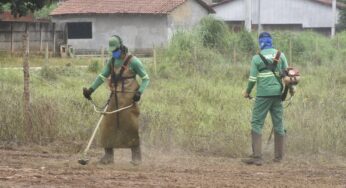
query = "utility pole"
x=248 y=8
x=334 y=18
x=259 y=17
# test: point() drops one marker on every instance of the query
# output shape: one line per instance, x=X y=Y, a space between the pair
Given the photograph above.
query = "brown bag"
x=291 y=76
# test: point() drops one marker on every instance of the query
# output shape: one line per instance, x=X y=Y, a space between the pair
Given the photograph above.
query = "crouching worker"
x=265 y=71
x=120 y=130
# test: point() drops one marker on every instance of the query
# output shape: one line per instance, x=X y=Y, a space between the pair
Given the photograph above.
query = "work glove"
x=292 y=90
x=247 y=95
x=137 y=96
x=87 y=93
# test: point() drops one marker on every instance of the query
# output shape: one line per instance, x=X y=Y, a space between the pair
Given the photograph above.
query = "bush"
x=94 y=66
x=213 y=33
x=246 y=43
x=45 y=11
x=48 y=73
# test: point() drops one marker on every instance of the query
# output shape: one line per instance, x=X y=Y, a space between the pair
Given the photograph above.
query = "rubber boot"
x=278 y=147
x=136 y=155
x=108 y=158
x=256 y=157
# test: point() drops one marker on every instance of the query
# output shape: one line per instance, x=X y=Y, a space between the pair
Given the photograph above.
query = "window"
x=79 y=30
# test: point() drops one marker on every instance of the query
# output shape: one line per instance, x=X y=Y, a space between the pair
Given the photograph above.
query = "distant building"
x=142 y=24
x=278 y=14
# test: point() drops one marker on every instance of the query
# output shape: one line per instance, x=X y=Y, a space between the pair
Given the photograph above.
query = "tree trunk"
x=26 y=94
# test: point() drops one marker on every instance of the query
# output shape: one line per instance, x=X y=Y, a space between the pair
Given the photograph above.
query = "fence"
x=41 y=34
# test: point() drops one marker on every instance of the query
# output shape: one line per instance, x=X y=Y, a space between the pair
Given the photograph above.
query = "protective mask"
x=116 y=54
x=265 y=42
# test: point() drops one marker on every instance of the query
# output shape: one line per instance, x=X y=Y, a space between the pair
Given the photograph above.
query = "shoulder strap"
x=277 y=57
x=273 y=68
x=115 y=78
x=265 y=61
x=126 y=62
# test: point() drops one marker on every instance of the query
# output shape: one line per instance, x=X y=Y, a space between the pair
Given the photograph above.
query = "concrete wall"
x=232 y=11
x=186 y=16
x=139 y=32
x=306 y=13
x=40 y=34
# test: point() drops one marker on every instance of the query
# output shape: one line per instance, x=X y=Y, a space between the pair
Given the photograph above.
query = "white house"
x=314 y=15
x=141 y=24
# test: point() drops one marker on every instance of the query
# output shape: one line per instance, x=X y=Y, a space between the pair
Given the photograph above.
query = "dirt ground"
x=32 y=167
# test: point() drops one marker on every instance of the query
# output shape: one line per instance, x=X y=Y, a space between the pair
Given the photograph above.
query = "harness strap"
x=273 y=66
x=115 y=78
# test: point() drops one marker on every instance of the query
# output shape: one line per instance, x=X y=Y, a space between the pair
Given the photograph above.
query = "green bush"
x=94 y=66
x=48 y=73
x=45 y=11
x=246 y=43
x=213 y=32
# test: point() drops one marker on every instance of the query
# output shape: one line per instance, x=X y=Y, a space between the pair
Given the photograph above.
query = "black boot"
x=278 y=147
x=108 y=158
x=136 y=155
x=256 y=157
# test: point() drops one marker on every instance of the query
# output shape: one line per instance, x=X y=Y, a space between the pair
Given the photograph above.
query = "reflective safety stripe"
x=266 y=74
x=252 y=79
x=102 y=77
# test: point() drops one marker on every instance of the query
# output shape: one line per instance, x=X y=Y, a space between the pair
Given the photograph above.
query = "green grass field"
x=199 y=109
x=194 y=101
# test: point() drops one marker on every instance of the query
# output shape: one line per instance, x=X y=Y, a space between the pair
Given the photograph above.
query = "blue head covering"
x=116 y=54
x=265 y=41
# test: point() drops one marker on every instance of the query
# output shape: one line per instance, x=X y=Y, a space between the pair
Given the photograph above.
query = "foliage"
x=213 y=32
x=22 y=7
x=45 y=11
x=48 y=73
x=342 y=17
x=5 y=7
x=246 y=42
x=94 y=66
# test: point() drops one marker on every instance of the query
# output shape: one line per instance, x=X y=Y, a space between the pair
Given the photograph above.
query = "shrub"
x=246 y=43
x=48 y=73
x=94 y=66
x=213 y=32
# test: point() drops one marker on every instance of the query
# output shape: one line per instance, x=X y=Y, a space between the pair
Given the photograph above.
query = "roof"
x=8 y=17
x=326 y=2
x=121 y=7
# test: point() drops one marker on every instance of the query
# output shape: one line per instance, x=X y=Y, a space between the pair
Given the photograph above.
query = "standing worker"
x=266 y=68
x=120 y=130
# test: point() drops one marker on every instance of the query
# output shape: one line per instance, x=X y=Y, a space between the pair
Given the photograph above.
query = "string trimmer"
x=84 y=160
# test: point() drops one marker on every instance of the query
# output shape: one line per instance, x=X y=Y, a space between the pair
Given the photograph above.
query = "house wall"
x=186 y=16
x=139 y=32
x=306 y=13
x=232 y=11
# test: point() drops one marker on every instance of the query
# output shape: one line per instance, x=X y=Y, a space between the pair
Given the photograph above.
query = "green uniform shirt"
x=267 y=83
x=136 y=66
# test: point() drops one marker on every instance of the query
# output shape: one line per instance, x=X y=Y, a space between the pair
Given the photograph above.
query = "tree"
x=22 y=7
x=342 y=17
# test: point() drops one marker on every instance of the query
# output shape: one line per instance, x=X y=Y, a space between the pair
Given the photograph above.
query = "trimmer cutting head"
x=83 y=161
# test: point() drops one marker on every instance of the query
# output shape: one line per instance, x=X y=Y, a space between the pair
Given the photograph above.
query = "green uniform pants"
x=261 y=107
